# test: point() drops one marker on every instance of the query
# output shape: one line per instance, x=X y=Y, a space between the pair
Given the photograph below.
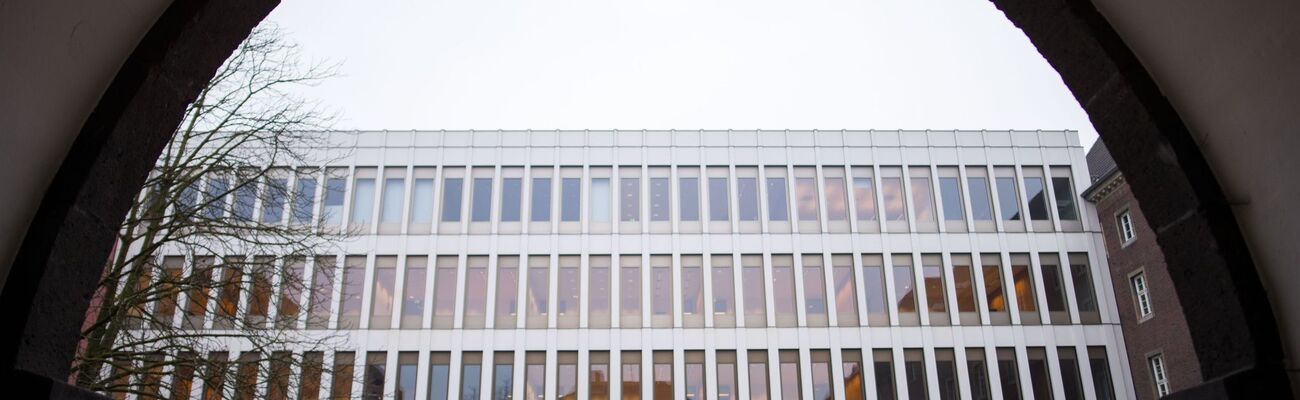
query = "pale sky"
x=683 y=64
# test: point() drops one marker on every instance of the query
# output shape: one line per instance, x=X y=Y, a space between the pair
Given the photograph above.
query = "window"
x=390 y=214
x=335 y=189
x=724 y=289
x=864 y=200
x=277 y=194
x=945 y=365
x=914 y=373
x=451 y=197
x=313 y=366
x=950 y=191
x=754 y=286
x=342 y=375
x=439 y=375
x=481 y=197
x=1009 y=377
x=777 y=208
x=837 y=201
x=600 y=200
x=196 y=306
x=1100 y=366
x=758 y=380
x=726 y=373
x=566 y=376
x=747 y=194
x=363 y=199
x=511 y=195
x=502 y=377
x=304 y=198
x=891 y=190
x=629 y=277
x=814 y=291
x=1142 y=297
x=1071 y=381
x=471 y=373
x=382 y=292
x=598 y=281
x=663 y=375
x=172 y=277
x=873 y=282
x=421 y=217
x=1054 y=288
x=539 y=291
x=476 y=290
x=215 y=196
x=805 y=193
x=783 y=291
x=1126 y=232
x=444 y=291
x=413 y=291
x=568 y=293
x=408 y=367
x=994 y=289
x=936 y=293
x=1008 y=197
x=322 y=289
x=629 y=194
x=1067 y=209
x=922 y=199
x=661 y=292
x=540 y=201
x=570 y=199
x=535 y=375
x=630 y=372
x=855 y=385
x=373 y=376
x=246 y=376
x=981 y=207
x=963 y=277
x=689 y=192
x=977 y=374
x=789 y=372
x=883 y=368
x=1039 y=377
x=821 y=374
x=598 y=375
x=905 y=290
x=1037 y=196
x=1084 y=296
x=695 y=375
x=846 y=292
x=507 y=291
x=354 y=277
x=660 y=198
x=692 y=291
x=1026 y=301
x=719 y=199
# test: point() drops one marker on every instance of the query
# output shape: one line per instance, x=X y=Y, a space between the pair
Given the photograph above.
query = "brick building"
x=1159 y=345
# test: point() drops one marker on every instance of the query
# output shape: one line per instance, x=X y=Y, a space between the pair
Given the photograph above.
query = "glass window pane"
x=304 y=198
x=963 y=278
x=980 y=207
x=662 y=289
x=631 y=375
x=630 y=293
x=451 y=196
x=777 y=209
x=790 y=380
x=541 y=200
x=535 y=381
x=814 y=292
x=821 y=380
x=600 y=198
x=837 y=202
x=1083 y=290
x=503 y=381
x=1037 y=198
x=470 y=378
x=1071 y=381
x=407 y=370
x=568 y=294
x=805 y=192
x=892 y=191
x=342 y=376
x=755 y=299
x=922 y=200
x=758 y=380
x=481 y=202
x=946 y=370
x=382 y=292
x=599 y=377
x=363 y=201
x=935 y=293
x=394 y=190
x=216 y=197
x=444 y=292
x=629 y=199
x=950 y=189
x=978 y=374
x=884 y=371
x=507 y=302
x=332 y=213
x=854 y=385
x=727 y=380
x=1065 y=201
x=538 y=295
x=277 y=193
x=660 y=209
x=873 y=280
x=846 y=295
x=570 y=199
x=914 y=368
x=1101 y=381
x=695 y=381
x=1039 y=379
x=354 y=270
x=718 y=199
x=413 y=292
x=373 y=376
x=476 y=289
x=993 y=288
x=747 y=196
x=598 y=286
x=1008 y=200
x=663 y=384
x=864 y=199
x=904 y=290
x=690 y=199
x=723 y=289
x=783 y=292
x=1009 y=375
x=1024 y=290
x=692 y=290
x=511 y=190
x=246 y=195
x=422 y=201
x=439 y=381
x=566 y=381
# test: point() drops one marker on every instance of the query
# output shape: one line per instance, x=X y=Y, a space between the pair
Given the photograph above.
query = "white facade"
x=832 y=232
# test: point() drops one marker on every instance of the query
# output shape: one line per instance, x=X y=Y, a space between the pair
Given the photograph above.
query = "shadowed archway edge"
x=56 y=268
x=1233 y=329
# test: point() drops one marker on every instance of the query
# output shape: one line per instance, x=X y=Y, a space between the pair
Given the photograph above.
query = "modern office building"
x=1160 y=351
x=707 y=265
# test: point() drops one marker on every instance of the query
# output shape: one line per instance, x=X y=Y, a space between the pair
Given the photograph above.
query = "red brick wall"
x=1166 y=330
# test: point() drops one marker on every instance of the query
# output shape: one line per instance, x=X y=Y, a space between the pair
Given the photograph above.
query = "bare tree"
x=212 y=256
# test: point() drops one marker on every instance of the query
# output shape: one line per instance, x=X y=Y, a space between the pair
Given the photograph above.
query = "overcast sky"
x=684 y=64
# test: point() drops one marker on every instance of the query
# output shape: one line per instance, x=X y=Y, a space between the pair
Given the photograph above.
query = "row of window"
x=478 y=375
x=634 y=291
x=777 y=199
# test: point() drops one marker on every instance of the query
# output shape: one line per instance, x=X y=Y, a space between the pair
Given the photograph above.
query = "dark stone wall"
x=1166 y=330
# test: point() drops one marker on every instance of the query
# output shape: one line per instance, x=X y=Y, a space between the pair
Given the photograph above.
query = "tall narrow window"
x=1039 y=377
x=566 y=375
x=814 y=291
x=259 y=291
x=1009 y=198
x=1126 y=231
x=372 y=378
x=598 y=375
x=995 y=289
x=481 y=196
x=363 y=200
x=855 y=384
x=981 y=203
x=322 y=292
x=821 y=374
x=757 y=371
x=630 y=372
x=451 y=196
x=977 y=374
x=476 y=290
x=807 y=204
x=660 y=197
x=778 y=208
x=342 y=375
x=277 y=195
x=629 y=290
x=1036 y=193
x=963 y=278
x=507 y=302
x=789 y=372
x=945 y=366
x=914 y=373
x=304 y=197
x=950 y=190
x=905 y=290
x=246 y=375
x=783 y=291
x=335 y=189
x=846 y=293
x=724 y=290
x=354 y=278
x=1141 y=296
x=173 y=276
x=1067 y=209
x=1100 y=366
x=922 y=199
x=663 y=375
x=726 y=373
x=864 y=200
x=1071 y=381
x=891 y=192
x=692 y=291
x=883 y=367
x=420 y=219
x=661 y=292
x=215 y=196
x=1026 y=301
x=413 y=290
x=1054 y=288
x=313 y=366
x=444 y=291
x=600 y=199
x=598 y=286
x=719 y=199
x=512 y=187
x=540 y=201
x=873 y=282
x=382 y=292
x=390 y=212
x=196 y=307
x=539 y=291
x=570 y=199
x=754 y=286
x=837 y=201
x=1009 y=374
x=747 y=194
x=408 y=366
x=439 y=375
x=232 y=281
x=568 y=293
x=688 y=190
x=629 y=196
x=936 y=294
x=471 y=374
x=1084 y=296
x=695 y=375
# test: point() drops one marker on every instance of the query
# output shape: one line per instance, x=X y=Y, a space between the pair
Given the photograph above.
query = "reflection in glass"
x=363 y=201
x=864 y=199
x=777 y=209
x=821 y=381
x=503 y=382
x=566 y=381
x=470 y=378
x=540 y=203
x=1007 y=199
x=718 y=199
x=570 y=199
x=747 y=196
x=689 y=206
x=692 y=290
x=892 y=191
x=444 y=293
x=661 y=289
x=758 y=381
x=1037 y=198
x=631 y=375
x=663 y=384
x=507 y=302
x=439 y=375
x=394 y=190
x=451 y=196
x=846 y=295
x=476 y=282
x=421 y=201
x=783 y=295
x=790 y=381
x=332 y=210
x=805 y=192
x=1064 y=196
x=837 y=202
x=695 y=381
x=922 y=200
x=511 y=190
x=630 y=295
x=629 y=199
x=660 y=209
x=600 y=200
x=950 y=190
x=304 y=199
x=755 y=296
x=538 y=295
x=980 y=207
x=535 y=381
